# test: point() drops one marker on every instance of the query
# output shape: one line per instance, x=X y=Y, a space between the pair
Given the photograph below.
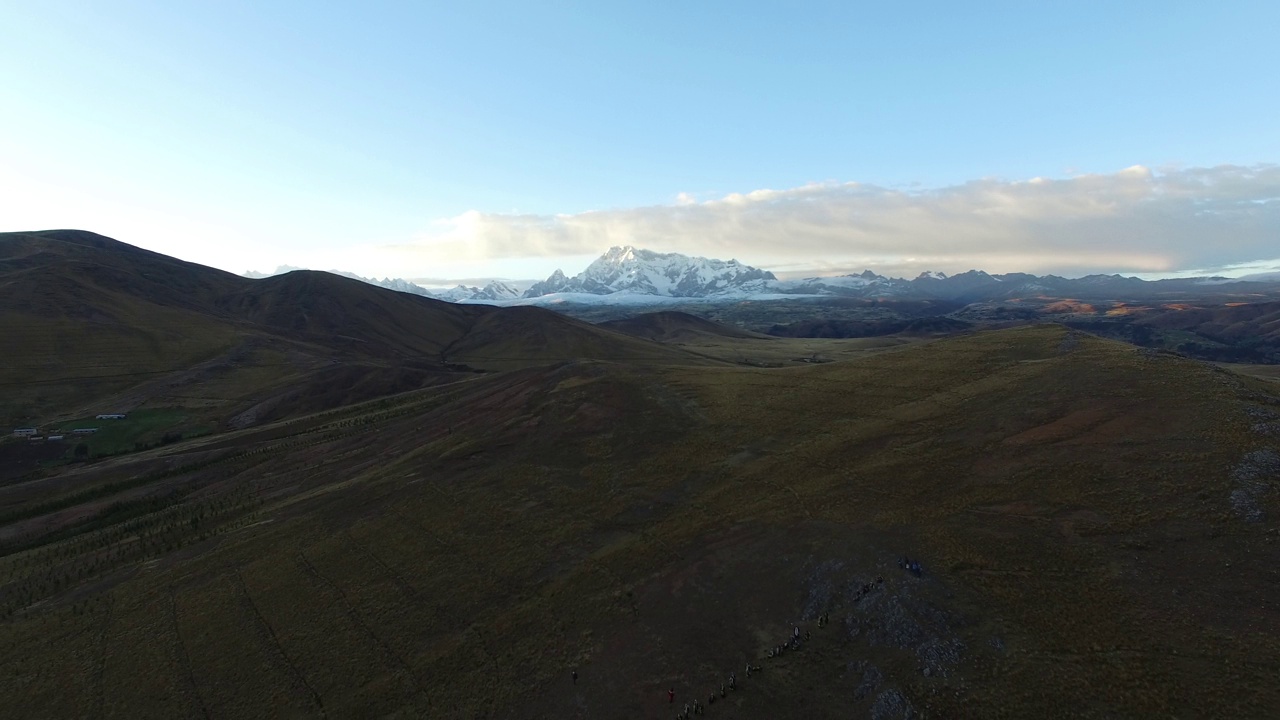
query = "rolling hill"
x=676 y=327
x=1094 y=524
x=1232 y=332
x=523 y=336
x=1250 y=322
x=97 y=325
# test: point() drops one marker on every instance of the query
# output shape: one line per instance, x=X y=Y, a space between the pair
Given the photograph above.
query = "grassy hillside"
x=1232 y=332
x=714 y=341
x=519 y=337
x=1095 y=522
x=97 y=325
x=351 y=316
x=676 y=327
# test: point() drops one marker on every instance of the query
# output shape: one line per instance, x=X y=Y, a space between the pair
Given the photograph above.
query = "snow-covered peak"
x=495 y=290
x=397 y=284
x=456 y=293
x=498 y=290
x=863 y=284
x=626 y=269
x=555 y=283
x=629 y=275
x=618 y=255
x=280 y=270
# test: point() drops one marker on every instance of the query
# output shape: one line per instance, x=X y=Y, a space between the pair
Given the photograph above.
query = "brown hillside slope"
x=1096 y=526
x=85 y=316
x=677 y=327
x=519 y=337
x=352 y=316
x=108 y=266
x=96 y=325
x=1231 y=323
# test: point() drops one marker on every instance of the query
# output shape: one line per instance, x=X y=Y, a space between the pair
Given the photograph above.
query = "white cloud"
x=1134 y=220
x=1222 y=219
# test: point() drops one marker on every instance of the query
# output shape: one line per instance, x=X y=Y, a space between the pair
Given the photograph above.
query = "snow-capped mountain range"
x=644 y=272
x=495 y=290
x=628 y=275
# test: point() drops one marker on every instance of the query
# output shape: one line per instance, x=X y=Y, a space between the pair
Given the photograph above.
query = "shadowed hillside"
x=352 y=316
x=870 y=328
x=1235 y=329
x=1094 y=523
x=523 y=336
x=97 y=326
x=676 y=327
x=87 y=317
x=1254 y=326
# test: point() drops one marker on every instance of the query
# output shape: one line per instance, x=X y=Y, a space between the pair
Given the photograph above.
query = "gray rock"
x=938 y=656
x=894 y=625
x=1257 y=466
x=892 y=705
x=1255 y=477
x=1266 y=429
x=820 y=588
x=871 y=679
x=1261 y=413
x=1245 y=504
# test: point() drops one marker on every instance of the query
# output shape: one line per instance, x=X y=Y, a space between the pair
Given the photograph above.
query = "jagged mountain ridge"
x=626 y=274
x=494 y=290
x=627 y=269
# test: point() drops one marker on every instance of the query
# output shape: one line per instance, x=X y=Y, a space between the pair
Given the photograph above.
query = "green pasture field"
x=146 y=427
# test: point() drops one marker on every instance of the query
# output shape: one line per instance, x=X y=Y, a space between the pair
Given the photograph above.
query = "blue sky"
x=461 y=139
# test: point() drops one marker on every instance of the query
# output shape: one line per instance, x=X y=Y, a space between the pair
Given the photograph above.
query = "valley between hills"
x=329 y=499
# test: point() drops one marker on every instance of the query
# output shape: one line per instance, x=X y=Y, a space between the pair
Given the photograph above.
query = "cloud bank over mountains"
x=1133 y=221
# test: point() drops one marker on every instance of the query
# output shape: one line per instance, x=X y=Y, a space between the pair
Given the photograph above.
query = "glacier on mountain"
x=632 y=276
x=644 y=272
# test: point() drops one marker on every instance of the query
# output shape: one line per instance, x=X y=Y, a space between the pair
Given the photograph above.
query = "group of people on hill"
x=697 y=708
x=866 y=588
x=794 y=642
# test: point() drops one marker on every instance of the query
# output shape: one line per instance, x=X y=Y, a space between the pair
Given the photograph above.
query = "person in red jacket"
x=671 y=695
